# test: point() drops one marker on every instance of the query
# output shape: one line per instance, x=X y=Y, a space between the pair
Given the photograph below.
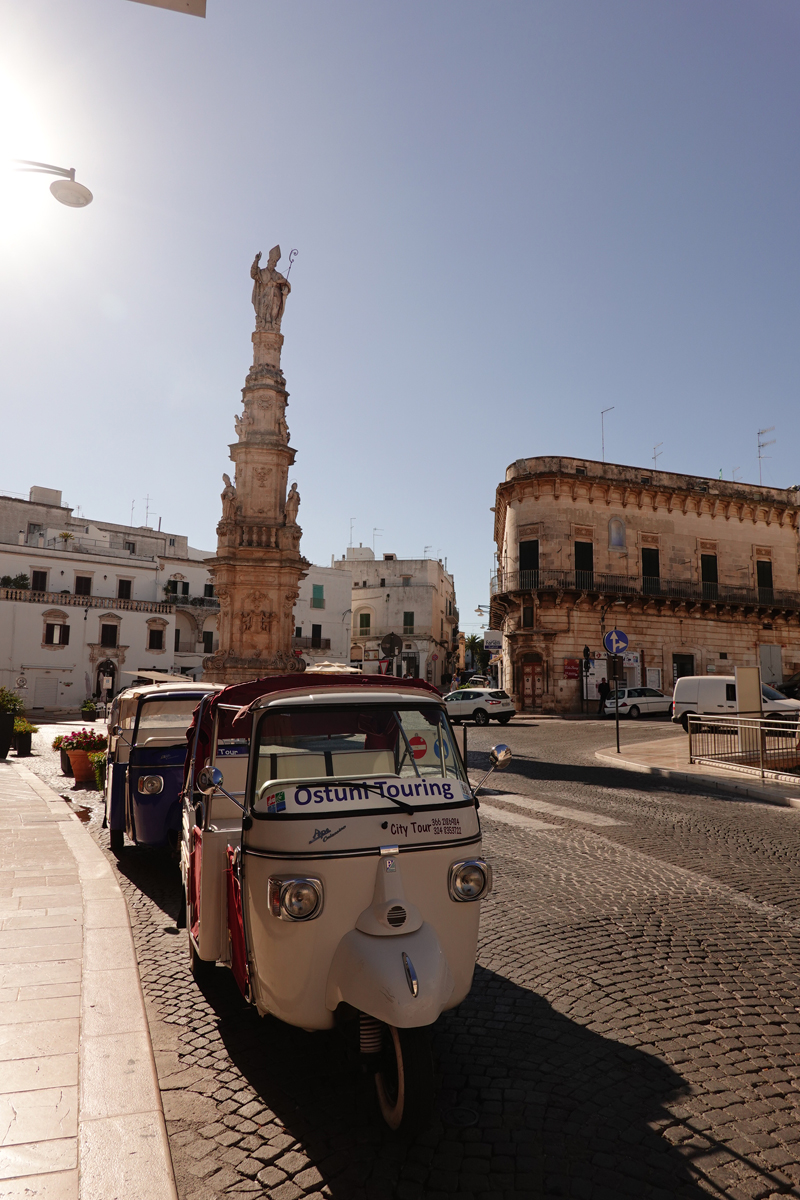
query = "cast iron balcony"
x=655 y=587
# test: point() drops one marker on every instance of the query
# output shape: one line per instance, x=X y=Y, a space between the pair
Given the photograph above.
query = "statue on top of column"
x=270 y=290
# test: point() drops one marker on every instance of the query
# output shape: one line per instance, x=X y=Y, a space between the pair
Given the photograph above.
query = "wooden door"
x=531 y=685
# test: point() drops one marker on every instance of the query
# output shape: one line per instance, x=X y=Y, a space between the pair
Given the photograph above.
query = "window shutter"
x=65 y=635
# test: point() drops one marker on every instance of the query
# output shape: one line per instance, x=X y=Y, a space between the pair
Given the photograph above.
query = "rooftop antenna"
x=374 y=531
x=132 y=504
x=603 y=427
x=761 y=446
x=656 y=455
x=352 y=523
x=425 y=551
x=147 y=510
x=733 y=474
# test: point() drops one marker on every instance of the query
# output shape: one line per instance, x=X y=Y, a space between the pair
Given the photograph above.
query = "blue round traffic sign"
x=616 y=642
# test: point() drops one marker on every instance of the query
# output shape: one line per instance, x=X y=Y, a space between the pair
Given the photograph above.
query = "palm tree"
x=473 y=645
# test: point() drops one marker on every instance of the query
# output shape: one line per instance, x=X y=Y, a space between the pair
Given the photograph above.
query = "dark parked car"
x=790 y=687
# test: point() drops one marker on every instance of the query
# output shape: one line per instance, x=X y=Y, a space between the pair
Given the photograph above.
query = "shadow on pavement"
x=530 y=1104
x=154 y=872
x=596 y=775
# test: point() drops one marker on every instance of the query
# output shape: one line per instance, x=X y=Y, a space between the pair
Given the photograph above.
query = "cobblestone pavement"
x=633 y=1029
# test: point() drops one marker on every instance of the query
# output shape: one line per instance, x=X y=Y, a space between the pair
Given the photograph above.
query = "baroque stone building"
x=701 y=574
x=258 y=564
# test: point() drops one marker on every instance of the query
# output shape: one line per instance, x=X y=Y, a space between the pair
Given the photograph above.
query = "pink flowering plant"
x=84 y=739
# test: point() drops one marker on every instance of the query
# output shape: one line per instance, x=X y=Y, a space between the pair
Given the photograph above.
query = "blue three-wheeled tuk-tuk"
x=146 y=753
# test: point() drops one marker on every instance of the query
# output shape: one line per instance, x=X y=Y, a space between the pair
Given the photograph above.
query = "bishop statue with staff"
x=270 y=290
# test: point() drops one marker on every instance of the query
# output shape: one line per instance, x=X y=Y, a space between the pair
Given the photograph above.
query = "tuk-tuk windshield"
x=163 y=721
x=350 y=742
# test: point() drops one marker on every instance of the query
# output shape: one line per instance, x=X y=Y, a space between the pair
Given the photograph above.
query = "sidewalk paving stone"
x=80 y=1111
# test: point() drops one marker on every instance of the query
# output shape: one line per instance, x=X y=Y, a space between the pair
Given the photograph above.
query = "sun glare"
x=23 y=196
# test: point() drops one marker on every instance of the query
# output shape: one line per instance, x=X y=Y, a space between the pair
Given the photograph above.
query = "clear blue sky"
x=508 y=215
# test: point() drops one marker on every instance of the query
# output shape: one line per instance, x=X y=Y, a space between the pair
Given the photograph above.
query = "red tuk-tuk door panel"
x=236 y=927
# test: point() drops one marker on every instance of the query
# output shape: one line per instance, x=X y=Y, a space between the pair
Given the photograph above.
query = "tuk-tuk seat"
x=163 y=739
x=282 y=764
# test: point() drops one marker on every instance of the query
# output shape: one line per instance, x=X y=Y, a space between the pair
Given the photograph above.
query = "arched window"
x=616 y=534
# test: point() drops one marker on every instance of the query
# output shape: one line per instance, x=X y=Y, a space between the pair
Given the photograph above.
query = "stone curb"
x=123 y=1150
x=717 y=783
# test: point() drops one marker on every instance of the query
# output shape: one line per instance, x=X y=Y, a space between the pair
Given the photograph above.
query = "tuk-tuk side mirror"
x=500 y=757
x=210 y=778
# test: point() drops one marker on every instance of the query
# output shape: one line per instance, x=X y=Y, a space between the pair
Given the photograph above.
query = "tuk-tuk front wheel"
x=404 y=1080
x=117 y=841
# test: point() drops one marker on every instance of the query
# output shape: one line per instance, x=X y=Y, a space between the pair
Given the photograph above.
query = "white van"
x=716 y=695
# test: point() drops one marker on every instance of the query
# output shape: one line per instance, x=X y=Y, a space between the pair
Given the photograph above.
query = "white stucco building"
x=322 y=616
x=84 y=602
x=413 y=598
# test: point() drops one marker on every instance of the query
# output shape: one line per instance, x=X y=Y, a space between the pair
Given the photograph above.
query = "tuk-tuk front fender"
x=370 y=973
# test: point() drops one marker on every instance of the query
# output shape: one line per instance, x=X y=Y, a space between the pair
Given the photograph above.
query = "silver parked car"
x=480 y=705
x=638 y=702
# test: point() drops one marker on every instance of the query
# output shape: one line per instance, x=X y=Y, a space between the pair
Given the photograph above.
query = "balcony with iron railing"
x=311 y=643
x=652 y=587
x=193 y=601
x=415 y=631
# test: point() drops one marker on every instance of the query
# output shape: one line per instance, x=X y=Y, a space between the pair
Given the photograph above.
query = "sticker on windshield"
x=353 y=796
x=275 y=802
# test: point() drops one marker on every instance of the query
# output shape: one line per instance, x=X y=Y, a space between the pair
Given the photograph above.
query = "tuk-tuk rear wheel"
x=405 y=1081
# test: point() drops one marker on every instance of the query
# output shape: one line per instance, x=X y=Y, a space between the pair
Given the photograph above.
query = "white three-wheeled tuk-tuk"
x=331 y=856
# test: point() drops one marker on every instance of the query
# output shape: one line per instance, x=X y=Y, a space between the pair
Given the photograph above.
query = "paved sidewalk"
x=669 y=758
x=80 y=1109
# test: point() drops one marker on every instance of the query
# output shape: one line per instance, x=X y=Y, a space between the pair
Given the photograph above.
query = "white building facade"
x=322 y=616
x=412 y=598
x=85 y=603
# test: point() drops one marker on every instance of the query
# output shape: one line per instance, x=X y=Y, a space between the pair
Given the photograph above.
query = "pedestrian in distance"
x=603 y=691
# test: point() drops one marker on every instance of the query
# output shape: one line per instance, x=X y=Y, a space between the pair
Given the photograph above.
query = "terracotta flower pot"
x=82 y=769
x=66 y=765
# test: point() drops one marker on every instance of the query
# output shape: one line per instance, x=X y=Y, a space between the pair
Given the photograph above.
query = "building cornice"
x=702 y=498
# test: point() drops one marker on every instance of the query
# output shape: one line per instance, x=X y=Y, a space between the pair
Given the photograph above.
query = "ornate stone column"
x=258 y=564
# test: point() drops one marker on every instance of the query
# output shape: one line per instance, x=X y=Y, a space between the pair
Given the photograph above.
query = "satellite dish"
x=73 y=194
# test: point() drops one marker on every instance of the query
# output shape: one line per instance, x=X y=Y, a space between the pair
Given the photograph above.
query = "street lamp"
x=65 y=189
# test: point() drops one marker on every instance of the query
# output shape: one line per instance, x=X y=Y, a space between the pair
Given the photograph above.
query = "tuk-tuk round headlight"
x=151 y=785
x=470 y=879
x=295 y=899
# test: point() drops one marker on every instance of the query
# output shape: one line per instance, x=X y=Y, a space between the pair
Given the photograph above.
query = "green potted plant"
x=11 y=706
x=98 y=760
x=23 y=731
x=78 y=746
x=58 y=744
x=89 y=710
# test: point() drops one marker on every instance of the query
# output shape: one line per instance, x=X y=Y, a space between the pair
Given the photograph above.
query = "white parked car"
x=716 y=695
x=638 y=702
x=480 y=705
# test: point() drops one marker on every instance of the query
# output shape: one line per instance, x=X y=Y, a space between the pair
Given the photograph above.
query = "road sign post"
x=616 y=643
